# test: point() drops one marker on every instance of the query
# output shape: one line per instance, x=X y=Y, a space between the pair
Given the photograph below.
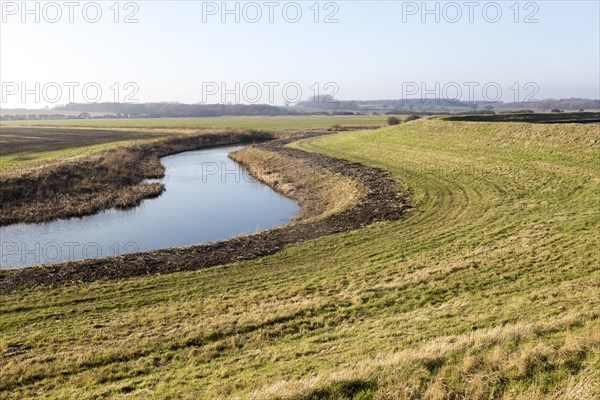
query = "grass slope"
x=489 y=288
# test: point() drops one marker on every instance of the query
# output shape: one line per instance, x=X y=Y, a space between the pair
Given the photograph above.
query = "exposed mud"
x=379 y=200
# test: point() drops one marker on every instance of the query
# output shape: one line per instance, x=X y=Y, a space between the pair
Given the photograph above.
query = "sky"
x=193 y=51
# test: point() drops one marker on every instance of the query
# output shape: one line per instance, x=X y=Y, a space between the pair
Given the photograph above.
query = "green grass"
x=266 y=123
x=489 y=288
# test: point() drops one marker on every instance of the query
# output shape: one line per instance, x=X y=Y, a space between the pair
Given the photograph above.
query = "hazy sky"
x=182 y=51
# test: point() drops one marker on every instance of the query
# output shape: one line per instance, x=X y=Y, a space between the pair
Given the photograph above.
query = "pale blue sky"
x=369 y=53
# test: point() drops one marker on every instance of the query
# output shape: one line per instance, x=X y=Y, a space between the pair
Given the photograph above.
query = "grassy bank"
x=320 y=193
x=488 y=288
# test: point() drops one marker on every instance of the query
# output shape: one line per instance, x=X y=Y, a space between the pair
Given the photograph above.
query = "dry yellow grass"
x=320 y=193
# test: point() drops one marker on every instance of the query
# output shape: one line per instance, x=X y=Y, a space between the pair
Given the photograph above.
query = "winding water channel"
x=208 y=197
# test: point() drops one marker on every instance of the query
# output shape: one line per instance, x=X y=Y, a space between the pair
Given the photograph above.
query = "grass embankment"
x=490 y=287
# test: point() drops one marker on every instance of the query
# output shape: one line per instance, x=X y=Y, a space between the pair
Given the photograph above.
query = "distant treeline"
x=315 y=106
x=321 y=105
x=174 y=110
x=157 y=110
x=445 y=105
x=36 y=117
x=572 y=104
x=430 y=104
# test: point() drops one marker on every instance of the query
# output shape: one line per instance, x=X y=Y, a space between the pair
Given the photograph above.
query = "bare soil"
x=23 y=141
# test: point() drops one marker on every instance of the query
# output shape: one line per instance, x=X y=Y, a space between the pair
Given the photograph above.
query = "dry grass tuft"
x=320 y=193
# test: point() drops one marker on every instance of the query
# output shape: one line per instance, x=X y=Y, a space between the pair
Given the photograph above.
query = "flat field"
x=489 y=288
x=259 y=122
x=23 y=146
x=24 y=143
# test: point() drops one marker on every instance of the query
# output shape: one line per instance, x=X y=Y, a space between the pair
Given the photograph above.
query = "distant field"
x=24 y=143
x=488 y=289
x=260 y=122
x=27 y=146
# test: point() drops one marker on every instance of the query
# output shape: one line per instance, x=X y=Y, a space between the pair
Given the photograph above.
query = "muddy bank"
x=110 y=179
x=377 y=199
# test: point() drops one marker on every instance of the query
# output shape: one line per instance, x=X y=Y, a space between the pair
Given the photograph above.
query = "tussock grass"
x=489 y=288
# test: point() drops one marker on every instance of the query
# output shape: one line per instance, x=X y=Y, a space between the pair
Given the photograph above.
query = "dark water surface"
x=208 y=197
